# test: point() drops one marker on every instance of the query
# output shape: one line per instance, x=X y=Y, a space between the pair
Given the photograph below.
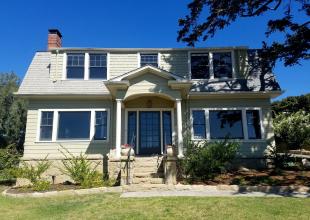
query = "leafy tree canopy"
x=292 y=104
x=12 y=112
x=221 y=13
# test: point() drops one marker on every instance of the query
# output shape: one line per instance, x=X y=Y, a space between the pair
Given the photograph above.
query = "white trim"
x=86 y=66
x=211 y=68
x=64 y=67
x=158 y=60
x=108 y=65
x=138 y=110
x=138 y=58
x=56 y=122
x=244 y=123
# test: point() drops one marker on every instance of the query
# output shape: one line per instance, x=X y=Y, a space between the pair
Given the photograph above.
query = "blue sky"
x=126 y=23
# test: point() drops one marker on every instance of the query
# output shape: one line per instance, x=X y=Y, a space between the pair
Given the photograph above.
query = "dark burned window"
x=226 y=124
x=75 y=66
x=222 y=65
x=97 y=66
x=200 y=68
x=149 y=59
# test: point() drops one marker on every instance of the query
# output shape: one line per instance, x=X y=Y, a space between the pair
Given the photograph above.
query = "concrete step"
x=148 y=175
x=148 y=181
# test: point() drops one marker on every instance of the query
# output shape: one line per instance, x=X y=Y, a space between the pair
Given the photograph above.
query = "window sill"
x=66 y=141
x=214 y=80
x=236 y=140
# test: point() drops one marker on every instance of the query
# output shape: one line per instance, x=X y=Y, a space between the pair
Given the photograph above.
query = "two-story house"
x=94 y=100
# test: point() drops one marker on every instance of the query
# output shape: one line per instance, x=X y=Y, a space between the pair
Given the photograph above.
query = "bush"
x=293 y=130
x=204 y=160
x=9 y=159
x=34 y=173
x=81 y=170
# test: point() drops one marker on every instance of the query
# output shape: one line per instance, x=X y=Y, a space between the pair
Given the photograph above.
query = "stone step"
x=147 y=165
x=148 y=181
x=144 y=159
x=148 y=169
x=148 y=174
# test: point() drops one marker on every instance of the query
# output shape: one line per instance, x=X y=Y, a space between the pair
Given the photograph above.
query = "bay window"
x=46 y=125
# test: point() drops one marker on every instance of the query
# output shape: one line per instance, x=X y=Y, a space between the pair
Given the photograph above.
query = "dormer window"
x=149 y=59
x=75 y=66
x=97 y=66
x=211 y=65
x=222 y=65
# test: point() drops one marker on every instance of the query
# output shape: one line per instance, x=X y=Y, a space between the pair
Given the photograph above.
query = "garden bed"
x=260 y=178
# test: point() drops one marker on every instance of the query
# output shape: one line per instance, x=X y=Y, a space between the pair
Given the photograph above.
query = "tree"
x=292 y=104
x=221 y=13
x=12 y=112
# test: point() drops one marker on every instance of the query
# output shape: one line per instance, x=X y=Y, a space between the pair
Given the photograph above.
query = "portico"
x=148 y=110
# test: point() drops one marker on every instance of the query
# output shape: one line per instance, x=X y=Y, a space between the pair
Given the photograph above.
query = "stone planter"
x=128 y=151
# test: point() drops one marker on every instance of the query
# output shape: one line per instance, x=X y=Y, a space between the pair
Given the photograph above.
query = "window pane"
x=132 y=128
x=97 y=72
x=101 y=126
x=253 y=122
x=200 y=66
x=222 y=65
x=199 y=124
x=75 y=72
x=226 y=124
x=149 y=59
x=167 y=130
x=74 y=125
x=46 y=127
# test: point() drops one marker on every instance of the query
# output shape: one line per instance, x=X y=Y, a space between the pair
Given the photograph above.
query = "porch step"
x=148 y=181
x=149 y=175
x=148 y=170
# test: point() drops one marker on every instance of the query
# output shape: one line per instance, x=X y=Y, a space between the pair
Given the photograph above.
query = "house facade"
x=94 y=100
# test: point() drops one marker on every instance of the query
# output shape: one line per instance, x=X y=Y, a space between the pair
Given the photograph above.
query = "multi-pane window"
x=226 y=124
x=199 y=124
x=253 y=123
x=222 y=65
x=149 y=59
x=46 y=126
x=97 y=66
x=75 y=66
x=101 y=125
x=200 y=66
x=74 y=125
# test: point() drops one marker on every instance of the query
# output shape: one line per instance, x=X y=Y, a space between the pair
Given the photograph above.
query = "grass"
x=110 y=206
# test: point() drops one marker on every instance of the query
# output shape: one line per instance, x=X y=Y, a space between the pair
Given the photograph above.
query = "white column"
x=179 y=125
x=118 y=127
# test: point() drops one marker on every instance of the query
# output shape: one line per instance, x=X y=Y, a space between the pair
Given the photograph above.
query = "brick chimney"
x=54 y=39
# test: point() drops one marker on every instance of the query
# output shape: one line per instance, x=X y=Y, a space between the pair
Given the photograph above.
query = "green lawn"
x=110 y=206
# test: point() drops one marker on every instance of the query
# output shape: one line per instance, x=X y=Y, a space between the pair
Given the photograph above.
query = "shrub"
x=9 y=159
x=34 y=173
x=293 y=130
x=81 y=170
x=204 y=160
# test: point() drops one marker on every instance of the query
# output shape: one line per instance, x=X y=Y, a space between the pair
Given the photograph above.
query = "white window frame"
x=244 y=123
x=56 y=124
x=150 y=52
x=138 y=110
x=86 y=66
x=211 y=67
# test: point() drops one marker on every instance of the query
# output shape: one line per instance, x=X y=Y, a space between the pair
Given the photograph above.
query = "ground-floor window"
x=234 y=123
x=75 y=124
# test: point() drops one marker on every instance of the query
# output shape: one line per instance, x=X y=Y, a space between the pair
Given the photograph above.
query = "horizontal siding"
x=251 y=149
x=175 y=62
x=33 y=149
x=121 y=63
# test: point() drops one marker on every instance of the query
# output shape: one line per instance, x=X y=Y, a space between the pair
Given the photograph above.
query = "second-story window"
x=149 y=59
x=200 y=66
x=75 y=66
x=222 y=65
x=97 y=66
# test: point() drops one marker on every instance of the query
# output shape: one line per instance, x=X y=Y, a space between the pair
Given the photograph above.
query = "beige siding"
x=121 y=63
x=251 y=149
x=175 y=62
x=35 y=149
x=56 y=66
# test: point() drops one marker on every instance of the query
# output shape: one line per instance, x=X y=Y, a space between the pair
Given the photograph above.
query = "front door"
x=149 y=132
